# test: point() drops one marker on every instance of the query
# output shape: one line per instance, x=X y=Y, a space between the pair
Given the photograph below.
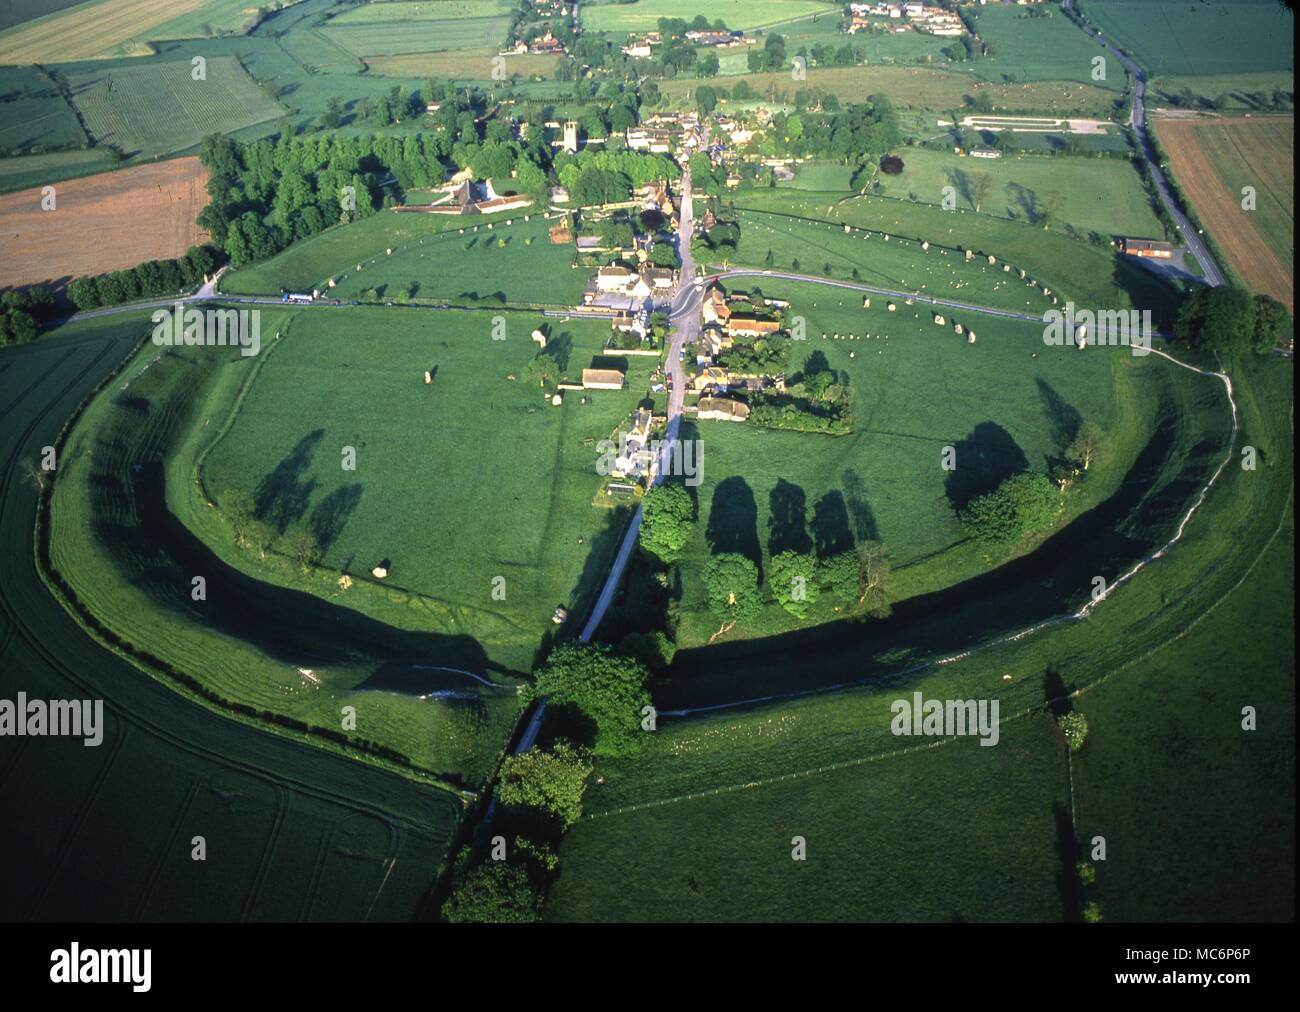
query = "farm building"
x=723 y=409
x=602 y=379
x=1146 y=248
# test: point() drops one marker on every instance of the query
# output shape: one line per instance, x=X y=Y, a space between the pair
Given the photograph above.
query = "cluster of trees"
x=251 y=531
x=607 y=689
x=770 y=57
x=603 y=177
x=863 y=131
x=147 y=280
x=1231 y=321
x=856 y=579
x=22 y=311
x=1020 y=505
x=815 y=401
x=539 y=795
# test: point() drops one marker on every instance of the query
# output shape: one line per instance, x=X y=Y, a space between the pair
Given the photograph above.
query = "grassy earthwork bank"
x=292 y=832
x=716 y=797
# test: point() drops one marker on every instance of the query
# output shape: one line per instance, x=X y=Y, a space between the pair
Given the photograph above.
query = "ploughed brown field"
x=104 y=222
x=1213 y=159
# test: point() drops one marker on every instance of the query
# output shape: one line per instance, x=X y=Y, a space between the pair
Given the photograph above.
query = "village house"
x=615 y=279
x=635 y=459
x=749 y=325
x=711 y=377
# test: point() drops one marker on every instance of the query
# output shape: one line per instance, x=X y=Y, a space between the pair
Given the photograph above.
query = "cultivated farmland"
x=462 y=64
x=390 y=38
x=67 y=35
x=160 y=108
x=104 y=222
x=1213 y=159
x=1215 y=37
x=36 y=117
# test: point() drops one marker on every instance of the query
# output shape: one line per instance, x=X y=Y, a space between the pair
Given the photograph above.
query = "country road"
x=1191 y=237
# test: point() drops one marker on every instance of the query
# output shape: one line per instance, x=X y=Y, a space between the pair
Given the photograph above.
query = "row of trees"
x=151 y=279
x=857 y=579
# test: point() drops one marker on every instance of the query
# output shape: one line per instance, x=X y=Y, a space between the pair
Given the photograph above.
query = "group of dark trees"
x=22 y=311
x=1231 y=321
x=147 y=280
x=861 y=132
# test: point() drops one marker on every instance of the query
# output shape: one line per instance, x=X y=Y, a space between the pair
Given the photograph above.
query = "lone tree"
x=666 y=521
x=1075 y=728
x=1085 y=446
x=494 y=893
x=608 y=688
x=981 y=185
x=731 y=580
x=552 y=783
x=1024 y=503
x=873 y=579
x=793 y=580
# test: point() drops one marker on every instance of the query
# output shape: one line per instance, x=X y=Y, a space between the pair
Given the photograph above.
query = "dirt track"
x=1212 y=160
x=102 y=223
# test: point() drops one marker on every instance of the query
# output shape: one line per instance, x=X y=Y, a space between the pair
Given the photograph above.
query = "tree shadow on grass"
x=1050 y=582
x=855 y=496
x=985 y=458
x=830 y=525
x=1064 y=418
x=787 y=525
x=332 y=513
x=281 y=497
x=161 y=555
x=733 y=520
x=1067 y=878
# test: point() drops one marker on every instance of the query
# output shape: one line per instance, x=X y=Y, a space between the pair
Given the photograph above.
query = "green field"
x=899 y=264
x=1040 y=48
x=1217 y=37
x=963 y=833
x=1004 y=404
x=311 y=263
x=158 y=108
x=1103 y=195
x=293 y=833
x=217 y=423
x=390 y=38
x=1163 y=698
x=739 y=15
x=496 y=259
x=33 y=115
x=1090 y=274
x=492 y=261
x=504 y=481
x=913 y=88
x=419 y=10
x=1239 y=89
